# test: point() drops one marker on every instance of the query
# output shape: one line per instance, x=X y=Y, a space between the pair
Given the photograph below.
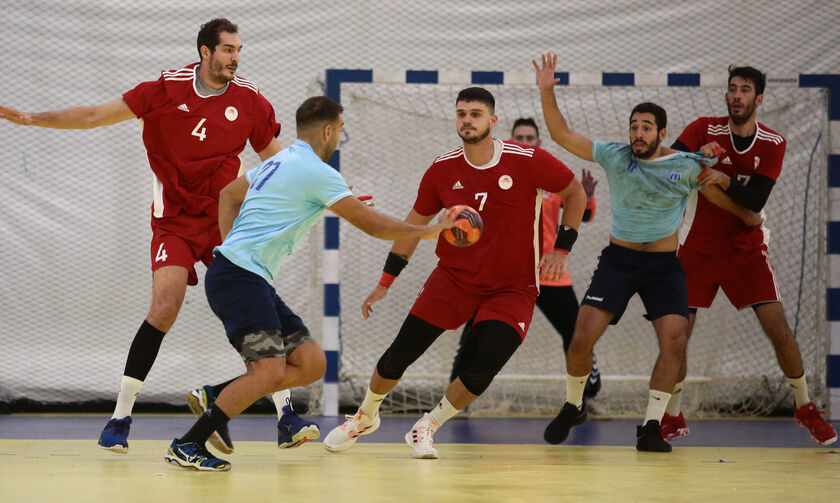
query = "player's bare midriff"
x=665 y=244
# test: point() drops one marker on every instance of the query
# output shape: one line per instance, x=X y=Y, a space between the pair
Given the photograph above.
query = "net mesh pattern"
x=75 y=205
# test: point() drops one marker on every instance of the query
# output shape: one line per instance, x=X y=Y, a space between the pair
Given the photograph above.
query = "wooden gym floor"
x=54 y=458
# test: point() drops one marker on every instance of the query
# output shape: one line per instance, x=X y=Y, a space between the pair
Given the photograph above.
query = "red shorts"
x=746 y=276
x=184 y=240
x=447 y=304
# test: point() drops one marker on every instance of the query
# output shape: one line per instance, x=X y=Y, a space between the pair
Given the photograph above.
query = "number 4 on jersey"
x=201 y=134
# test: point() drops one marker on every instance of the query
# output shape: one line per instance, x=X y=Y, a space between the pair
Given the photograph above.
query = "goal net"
x=394 y=131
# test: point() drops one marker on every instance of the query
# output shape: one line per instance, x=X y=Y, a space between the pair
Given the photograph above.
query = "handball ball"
x=467 y=228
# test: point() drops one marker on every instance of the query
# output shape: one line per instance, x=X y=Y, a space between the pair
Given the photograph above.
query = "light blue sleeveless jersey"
x=288 y=193
x=647 y=198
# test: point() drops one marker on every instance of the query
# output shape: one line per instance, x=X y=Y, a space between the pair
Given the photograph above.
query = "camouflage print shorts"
x=269 y=344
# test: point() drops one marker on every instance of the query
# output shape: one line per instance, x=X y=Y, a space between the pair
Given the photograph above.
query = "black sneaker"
x=558 y=429
x=593 y=383
x=649 y=438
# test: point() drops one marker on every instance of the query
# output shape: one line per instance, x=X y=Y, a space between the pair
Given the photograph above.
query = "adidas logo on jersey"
x=184 y=107
x=457 y=185
x=726 y=161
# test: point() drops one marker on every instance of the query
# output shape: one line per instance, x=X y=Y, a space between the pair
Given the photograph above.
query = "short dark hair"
x=525 y=121
x=748 y=73
x=317 y=110
x=652 y=108
x=209 y=33
x=477 y=94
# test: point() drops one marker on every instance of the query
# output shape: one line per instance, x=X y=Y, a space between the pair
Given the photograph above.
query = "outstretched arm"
x=382 y=226
x=72 y=118
x=401 y=251
x=560 y=132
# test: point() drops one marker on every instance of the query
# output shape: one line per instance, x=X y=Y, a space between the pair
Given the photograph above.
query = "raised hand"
x=545 y=72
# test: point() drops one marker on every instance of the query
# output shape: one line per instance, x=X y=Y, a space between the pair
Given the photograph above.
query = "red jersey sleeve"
x=265 y=125
x=428 y=200
x=146 y=97
x=694 y=135
x=771 y=162
x=549 y=173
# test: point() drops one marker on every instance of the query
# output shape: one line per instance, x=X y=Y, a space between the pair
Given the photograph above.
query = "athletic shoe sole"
x=115 y=448
x=215 y=439
x=414 y=454
x=349 y=443
x=815 y=439
x=175 y=461
x=306 y=434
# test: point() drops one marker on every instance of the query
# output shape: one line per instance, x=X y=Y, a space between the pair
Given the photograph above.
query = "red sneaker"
x=808 y=416
x=673 y=427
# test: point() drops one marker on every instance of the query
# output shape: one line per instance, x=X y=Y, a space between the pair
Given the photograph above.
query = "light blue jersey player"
x=286 y=196
x=262 y=216
x=647 y=196
x=649 y=187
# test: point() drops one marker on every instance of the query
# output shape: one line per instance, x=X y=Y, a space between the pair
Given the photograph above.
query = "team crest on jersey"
x=505 y=182
x=674 y=177
x=231 y=113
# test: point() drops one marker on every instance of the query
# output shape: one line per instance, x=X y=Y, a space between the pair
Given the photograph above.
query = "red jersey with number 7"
x=507 y=192
x=193 y=142
x=713 y=230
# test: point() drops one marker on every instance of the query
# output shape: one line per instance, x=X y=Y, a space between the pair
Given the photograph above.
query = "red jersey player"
x=494 y=281
x=720 y=251
x=195 y=122
x=557 y=299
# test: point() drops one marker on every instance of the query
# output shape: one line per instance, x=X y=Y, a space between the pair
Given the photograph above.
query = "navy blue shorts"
x=245 y=302
x=657 y=277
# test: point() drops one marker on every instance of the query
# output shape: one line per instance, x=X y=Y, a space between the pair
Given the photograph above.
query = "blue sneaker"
x=200 y=400
x=293 y=431
x=115 y=435
x=192 y=456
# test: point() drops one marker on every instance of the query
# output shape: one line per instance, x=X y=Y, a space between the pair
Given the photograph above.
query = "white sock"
x=370 y=405
x=442 y=412
x=673 y=408
x=129 y=388
x=800 y=389
x=281 y=399
x=574 y=389
x=657 y=401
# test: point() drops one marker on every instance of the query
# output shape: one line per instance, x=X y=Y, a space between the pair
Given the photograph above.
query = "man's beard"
x=649 y=152
x=747 y=110
x=217 y=72
x=475 y=139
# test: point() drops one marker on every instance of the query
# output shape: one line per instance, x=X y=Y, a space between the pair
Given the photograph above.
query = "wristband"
x=387 y=280
x=561 y=250
x=394 y=264
x=566 y=237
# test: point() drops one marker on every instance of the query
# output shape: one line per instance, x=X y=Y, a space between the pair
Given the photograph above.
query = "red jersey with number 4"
x=193 y=142
x=507 y=192
x=712 y=229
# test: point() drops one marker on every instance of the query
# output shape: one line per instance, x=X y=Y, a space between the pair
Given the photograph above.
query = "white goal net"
x=394 y=131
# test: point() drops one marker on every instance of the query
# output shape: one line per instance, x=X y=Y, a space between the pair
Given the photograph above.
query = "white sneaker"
x=343 y=437
x=420 y=438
